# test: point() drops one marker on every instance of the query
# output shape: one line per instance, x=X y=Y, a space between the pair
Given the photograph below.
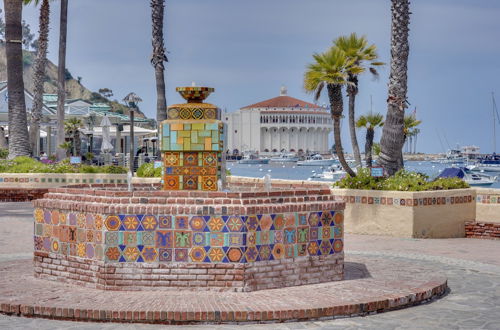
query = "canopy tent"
x=138 y=131
x=106 y=145
x=452 y=172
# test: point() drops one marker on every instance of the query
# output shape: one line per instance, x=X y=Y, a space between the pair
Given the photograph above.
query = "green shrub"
x=401 y=181
x=4 y=153
x=88 y=169
x=112 y=169
x=148 y=170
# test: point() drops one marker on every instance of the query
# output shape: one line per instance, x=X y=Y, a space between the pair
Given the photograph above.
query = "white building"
x=279 y=124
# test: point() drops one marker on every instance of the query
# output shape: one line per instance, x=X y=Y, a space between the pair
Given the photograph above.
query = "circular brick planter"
x=373 y=284
x=104 y=237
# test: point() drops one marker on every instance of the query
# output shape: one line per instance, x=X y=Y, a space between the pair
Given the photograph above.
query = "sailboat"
x=490 y=163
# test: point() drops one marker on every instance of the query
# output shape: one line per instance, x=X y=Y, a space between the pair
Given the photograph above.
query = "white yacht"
x=316 y=160
x=472 y=178
x=286 y=158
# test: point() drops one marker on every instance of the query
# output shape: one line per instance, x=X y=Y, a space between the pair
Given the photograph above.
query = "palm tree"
x=18 y=123
x=39 y=73
x=158 y=58
x=392 y=135
x=370 y=122
x=357 y=48
x=61 y=78
x=72 y=129
x=331 y=70
x=410 y=122
x=416 y=132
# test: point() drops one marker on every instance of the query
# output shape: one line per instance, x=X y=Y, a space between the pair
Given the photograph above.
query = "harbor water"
x=290 y=171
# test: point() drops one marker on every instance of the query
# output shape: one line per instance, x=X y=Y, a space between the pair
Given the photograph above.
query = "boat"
x=286 y=158
x=472 y=178
x=316 y=160
x=332 y=173
x=488 y=163
x=253 y=158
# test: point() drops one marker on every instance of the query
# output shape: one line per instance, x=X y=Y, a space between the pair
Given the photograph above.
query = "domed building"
x=279 y=124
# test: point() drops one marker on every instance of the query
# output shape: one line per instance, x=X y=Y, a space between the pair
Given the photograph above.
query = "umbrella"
x=106 y=145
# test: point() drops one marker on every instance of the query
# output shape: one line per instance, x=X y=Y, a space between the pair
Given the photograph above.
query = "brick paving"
x=474 y=279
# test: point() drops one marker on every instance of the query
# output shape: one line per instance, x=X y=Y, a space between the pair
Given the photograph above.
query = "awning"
x=138 y=131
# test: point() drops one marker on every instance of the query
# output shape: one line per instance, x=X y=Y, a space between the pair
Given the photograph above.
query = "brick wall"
x=114 y=239
x=217 y=277
x=21 y=195
x=488 y=230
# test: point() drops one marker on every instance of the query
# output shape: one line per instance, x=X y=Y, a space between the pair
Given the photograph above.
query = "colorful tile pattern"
x=195 y=135
x=427 y=201
x=189 y=238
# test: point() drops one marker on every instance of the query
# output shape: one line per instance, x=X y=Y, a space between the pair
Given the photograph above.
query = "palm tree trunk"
x=392 y=136
x=337 y=106
x=39 y=75
x=61 y=79
x=18 y=123
x=158 y=58
x=370 y=134
x=415 y=144
x=352 y=91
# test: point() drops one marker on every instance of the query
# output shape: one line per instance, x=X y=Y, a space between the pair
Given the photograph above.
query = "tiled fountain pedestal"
x=107 y=238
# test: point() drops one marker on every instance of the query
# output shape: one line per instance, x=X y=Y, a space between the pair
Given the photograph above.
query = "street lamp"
x=131 y=101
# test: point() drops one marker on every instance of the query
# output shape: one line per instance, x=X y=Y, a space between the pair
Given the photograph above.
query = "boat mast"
x=495 y=116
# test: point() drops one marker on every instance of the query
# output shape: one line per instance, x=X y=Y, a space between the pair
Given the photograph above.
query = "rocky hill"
x=74 y=89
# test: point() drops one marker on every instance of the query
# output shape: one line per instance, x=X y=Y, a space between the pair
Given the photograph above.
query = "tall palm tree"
x=331 y=70
x=370 y=122
x=158 y=58
x=416 y=132
x=392 y=135
x=72 y=129
x=410 y=124
x=39 y=73
x=61 y=79
x=18 y=123
x=364 y=55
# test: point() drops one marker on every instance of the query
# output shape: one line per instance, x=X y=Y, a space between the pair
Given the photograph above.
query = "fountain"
x=196 y=229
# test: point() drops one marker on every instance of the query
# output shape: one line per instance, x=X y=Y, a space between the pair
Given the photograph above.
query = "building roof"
x=283 y=101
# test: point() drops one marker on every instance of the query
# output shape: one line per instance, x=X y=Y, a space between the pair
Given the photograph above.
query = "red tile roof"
x=283 y=102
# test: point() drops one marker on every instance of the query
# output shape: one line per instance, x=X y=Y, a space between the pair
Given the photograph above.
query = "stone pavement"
x=472 y=268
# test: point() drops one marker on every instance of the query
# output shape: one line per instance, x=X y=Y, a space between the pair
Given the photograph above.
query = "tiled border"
x=391 y=201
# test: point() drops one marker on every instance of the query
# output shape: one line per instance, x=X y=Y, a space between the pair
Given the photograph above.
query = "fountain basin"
x=105 y=237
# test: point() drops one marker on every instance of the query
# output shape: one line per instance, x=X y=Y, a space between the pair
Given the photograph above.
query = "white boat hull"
x=253 y=161
x=319 y=162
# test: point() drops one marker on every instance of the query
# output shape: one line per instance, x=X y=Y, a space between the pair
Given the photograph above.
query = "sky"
x=247 y=50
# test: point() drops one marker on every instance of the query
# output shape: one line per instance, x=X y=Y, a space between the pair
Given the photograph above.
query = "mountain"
x=74 y=88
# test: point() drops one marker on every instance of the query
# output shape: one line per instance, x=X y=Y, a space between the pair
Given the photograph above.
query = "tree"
x=18 y=123
x=410 y=122
x=27 y=35
x=72 y=129
x=357 y=49
x=370 y=122
x=392 y=135
x=416 y=132
x=106 y=92
x=39 y=73
x=158 y=58
x=330 y=70
x=61 y=78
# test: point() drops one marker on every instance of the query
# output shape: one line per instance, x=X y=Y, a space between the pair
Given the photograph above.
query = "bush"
x=30 y=165
x=4 y=153
x=401 y=181
x=148 y=170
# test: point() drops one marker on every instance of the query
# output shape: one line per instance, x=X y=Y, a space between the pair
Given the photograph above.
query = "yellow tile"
x=177 y=127
x=198 y=127
x=184 y=133
x=208 y=143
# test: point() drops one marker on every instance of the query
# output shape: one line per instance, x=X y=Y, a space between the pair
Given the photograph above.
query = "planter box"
x=488 y=205
x=427 y=214
x=54 y=180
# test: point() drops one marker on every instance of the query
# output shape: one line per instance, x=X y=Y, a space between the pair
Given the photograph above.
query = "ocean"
x=291 y=171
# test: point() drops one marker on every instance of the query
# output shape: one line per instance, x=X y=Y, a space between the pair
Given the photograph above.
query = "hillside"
x=74 y=89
